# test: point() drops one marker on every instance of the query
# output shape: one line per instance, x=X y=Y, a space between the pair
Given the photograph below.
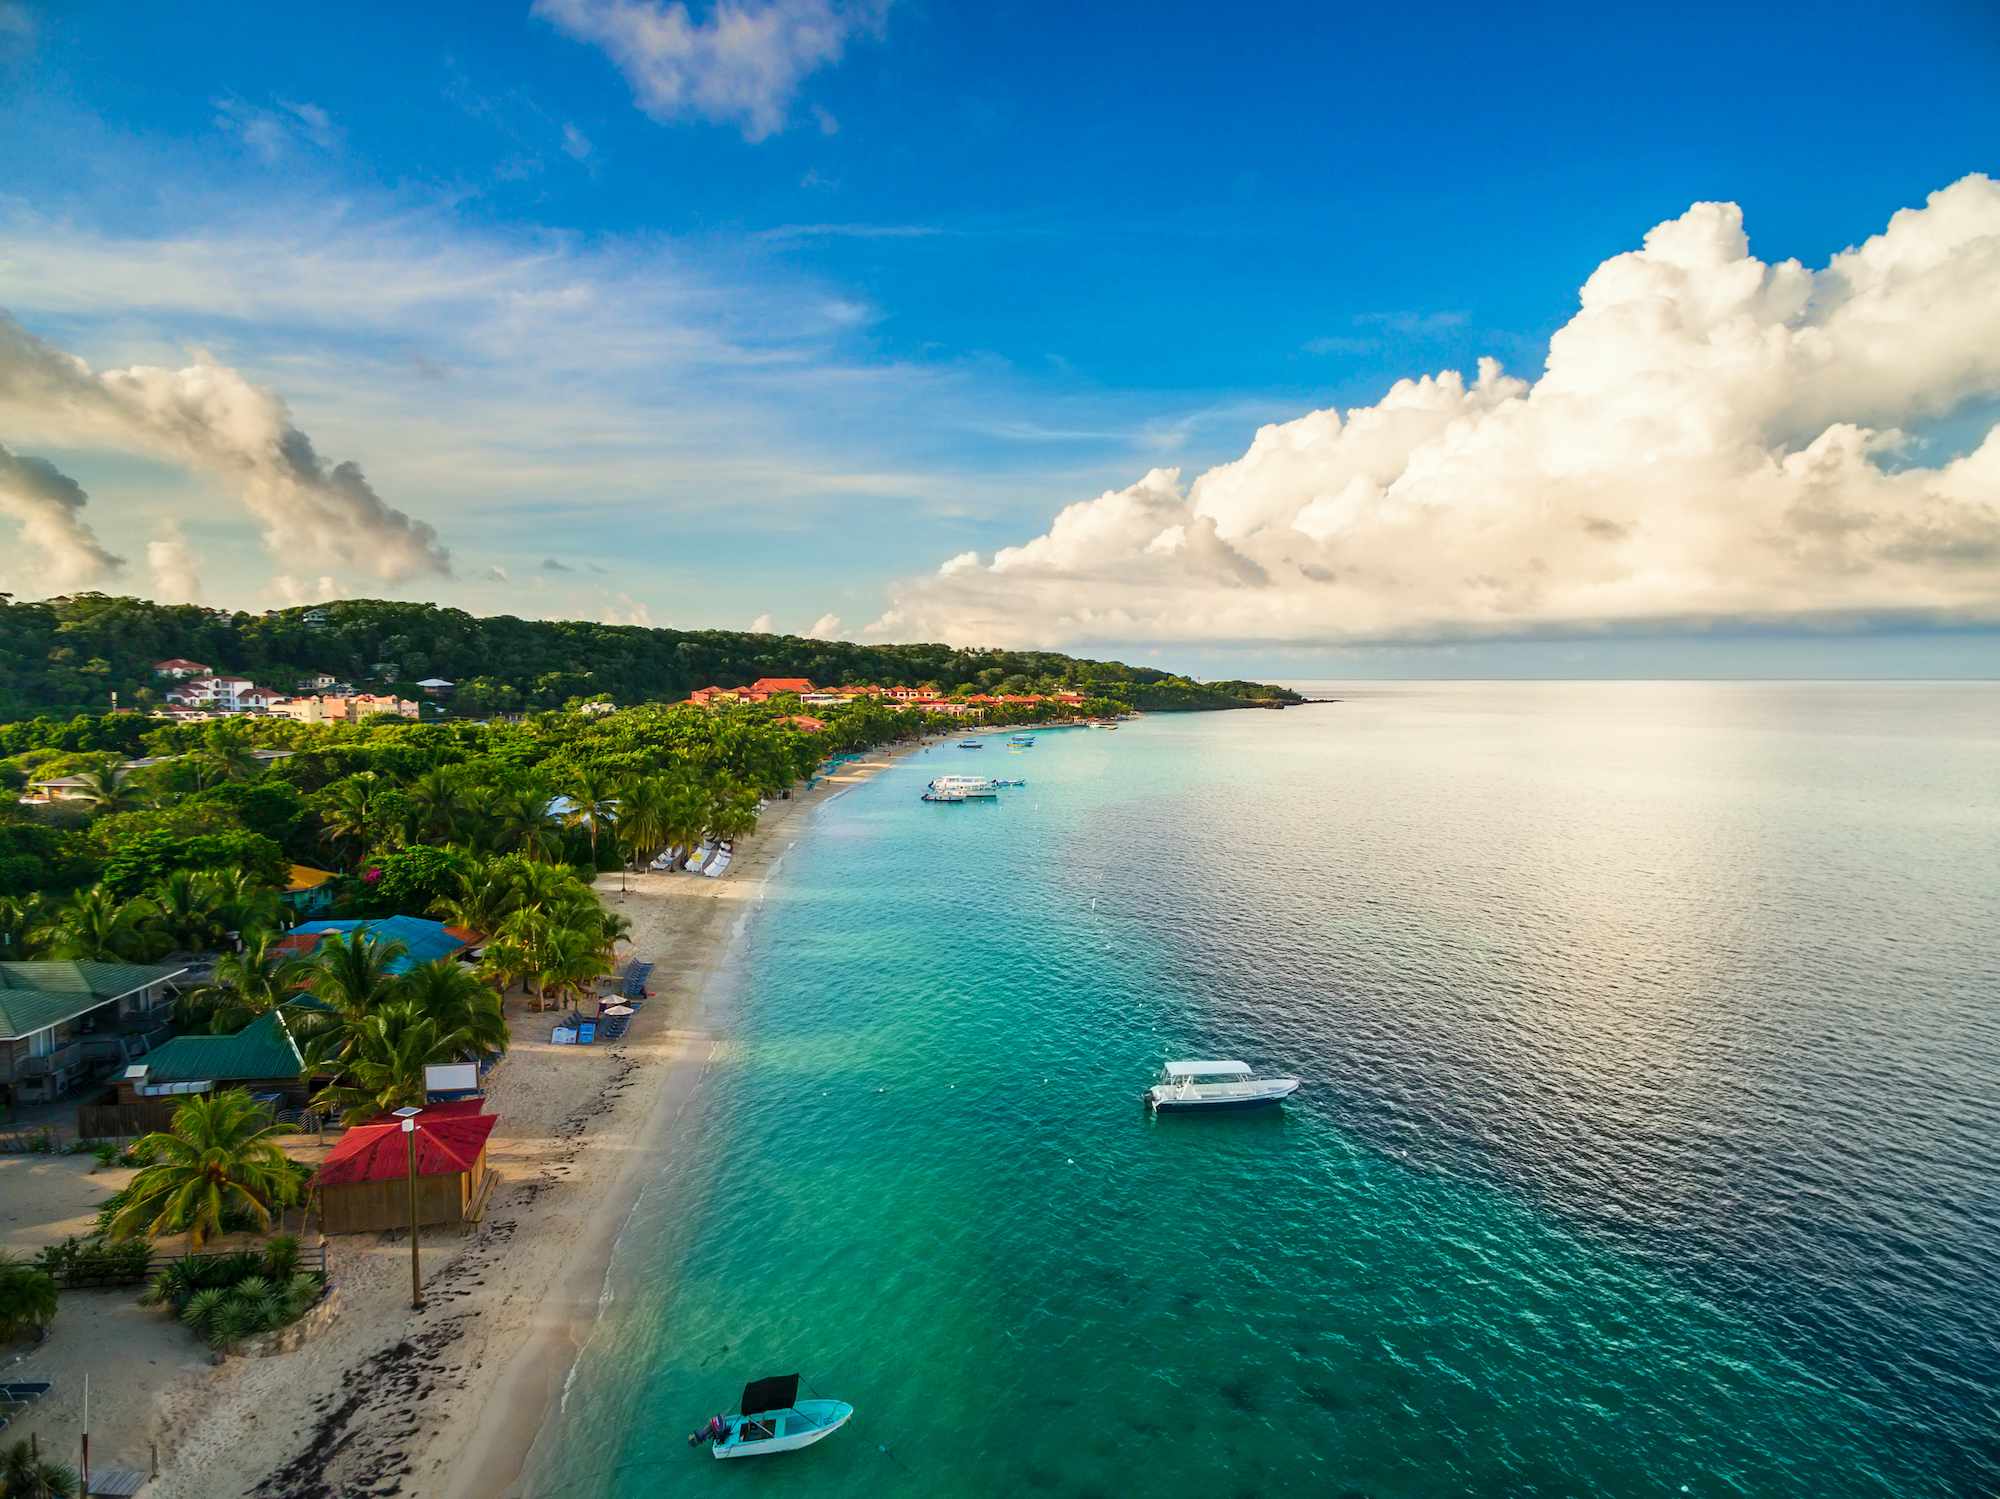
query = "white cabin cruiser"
x=1215 y=1087
x=959 y=788
x=773 y=1419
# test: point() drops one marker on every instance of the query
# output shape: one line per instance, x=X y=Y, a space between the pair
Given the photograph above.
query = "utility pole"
x=409 y=1118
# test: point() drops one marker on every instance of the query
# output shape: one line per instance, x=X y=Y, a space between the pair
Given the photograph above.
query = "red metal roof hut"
x=364 y=1185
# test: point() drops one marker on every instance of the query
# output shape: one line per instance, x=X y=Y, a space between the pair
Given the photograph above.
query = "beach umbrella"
x=619 y=1010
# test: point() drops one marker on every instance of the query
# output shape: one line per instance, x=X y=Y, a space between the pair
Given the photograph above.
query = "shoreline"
x=456 y=1400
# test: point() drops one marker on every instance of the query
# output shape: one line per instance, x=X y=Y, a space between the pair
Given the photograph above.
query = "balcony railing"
x=60 y=1060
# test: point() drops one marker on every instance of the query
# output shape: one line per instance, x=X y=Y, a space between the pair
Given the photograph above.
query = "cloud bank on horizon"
x=1714 y=438
x=209 y=417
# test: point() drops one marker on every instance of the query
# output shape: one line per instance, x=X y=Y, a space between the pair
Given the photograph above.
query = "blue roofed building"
x=424 y=941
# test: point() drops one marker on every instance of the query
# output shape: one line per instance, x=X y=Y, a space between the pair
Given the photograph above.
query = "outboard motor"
x=715 y=1431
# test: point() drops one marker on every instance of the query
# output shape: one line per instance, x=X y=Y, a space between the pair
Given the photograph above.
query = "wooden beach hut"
x=364 y=1185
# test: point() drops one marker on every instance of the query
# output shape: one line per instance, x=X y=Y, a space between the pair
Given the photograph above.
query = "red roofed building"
x=179 y=668
x=768 y=685
x=364 y=1185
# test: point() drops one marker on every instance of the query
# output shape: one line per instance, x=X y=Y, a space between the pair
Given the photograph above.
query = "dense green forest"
x=63 y=657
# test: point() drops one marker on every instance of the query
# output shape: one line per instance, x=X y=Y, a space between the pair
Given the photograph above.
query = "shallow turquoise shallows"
x=1645 y=1145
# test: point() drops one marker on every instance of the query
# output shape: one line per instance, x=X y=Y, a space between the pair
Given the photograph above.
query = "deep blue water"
x=1646 y=1146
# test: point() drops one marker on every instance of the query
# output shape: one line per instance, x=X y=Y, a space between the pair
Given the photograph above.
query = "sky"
x=1318 y=340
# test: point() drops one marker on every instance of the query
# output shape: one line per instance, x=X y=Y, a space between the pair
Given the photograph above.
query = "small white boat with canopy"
x=773 y=1419
x=1215 y=1087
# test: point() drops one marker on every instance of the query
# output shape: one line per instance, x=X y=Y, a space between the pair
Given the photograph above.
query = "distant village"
x=197 y=692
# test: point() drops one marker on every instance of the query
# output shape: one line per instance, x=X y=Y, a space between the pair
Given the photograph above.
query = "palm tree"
x=105 y=790
x=487 y=895
x=351 y=972
x=187 y=909
x=96 y=926
x=687 y=813
x=642 y=816
x=435 y=803
x=593 y=796
x=351 y=813
x=26 y=1474
x=571 y=957
x=456 y=1002
x=392 y=1048
x=244 y=903
x=218 y=1157
x=27 y=1296
x=251 y=983
x=232 y=753
x=22 y=921
x=351 y=978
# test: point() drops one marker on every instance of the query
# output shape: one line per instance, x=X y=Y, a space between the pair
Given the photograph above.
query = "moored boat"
x=1214 y=1088
x=772 y=1419
x=970 y=744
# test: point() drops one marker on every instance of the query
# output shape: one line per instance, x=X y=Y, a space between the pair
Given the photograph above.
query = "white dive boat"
x=960 y=788
x=773 y=1419
x=1214 y=1087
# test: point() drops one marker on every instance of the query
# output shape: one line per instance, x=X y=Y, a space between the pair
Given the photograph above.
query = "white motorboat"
x=773 y=1419
x=959 y=788
x=1214 y=1088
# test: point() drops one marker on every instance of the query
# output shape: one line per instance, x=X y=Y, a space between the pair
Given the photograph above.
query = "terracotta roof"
x=782 y=684
x=449 y=1139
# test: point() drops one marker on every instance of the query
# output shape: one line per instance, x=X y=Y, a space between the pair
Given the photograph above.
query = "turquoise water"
x=1645 y=1146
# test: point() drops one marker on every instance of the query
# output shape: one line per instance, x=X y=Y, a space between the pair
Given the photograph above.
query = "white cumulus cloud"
x=1713 y=438
x=826 y=627
x=743 y=64
x=175 y=568
x=49 y=506
x=210 y=417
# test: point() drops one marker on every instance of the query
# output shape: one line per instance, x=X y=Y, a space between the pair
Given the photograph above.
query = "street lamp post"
x=409 y=1118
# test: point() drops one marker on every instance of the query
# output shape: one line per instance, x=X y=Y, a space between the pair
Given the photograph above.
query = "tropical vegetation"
x=64 y=655
x=218 y=1161
x=27 y=1297
x=227 y=1298
x=26 y=1474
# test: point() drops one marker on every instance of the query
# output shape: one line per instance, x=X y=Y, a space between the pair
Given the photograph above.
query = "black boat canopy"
x=778 y=1393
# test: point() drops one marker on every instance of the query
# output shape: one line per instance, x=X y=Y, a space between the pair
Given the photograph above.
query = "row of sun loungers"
x=16 y=1396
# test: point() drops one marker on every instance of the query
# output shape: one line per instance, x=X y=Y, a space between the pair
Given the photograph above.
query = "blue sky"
x=723 y=361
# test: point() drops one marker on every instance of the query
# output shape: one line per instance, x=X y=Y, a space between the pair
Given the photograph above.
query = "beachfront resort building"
x=63 y=1021
x=262 y=1059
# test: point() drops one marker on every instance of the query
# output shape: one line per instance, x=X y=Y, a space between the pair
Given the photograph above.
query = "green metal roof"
x=35 y=996
x=263 y=1048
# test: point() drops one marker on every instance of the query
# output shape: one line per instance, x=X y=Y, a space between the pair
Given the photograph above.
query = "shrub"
x=96 y=1261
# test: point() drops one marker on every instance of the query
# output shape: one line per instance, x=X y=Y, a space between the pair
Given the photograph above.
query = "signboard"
x=452 y=1077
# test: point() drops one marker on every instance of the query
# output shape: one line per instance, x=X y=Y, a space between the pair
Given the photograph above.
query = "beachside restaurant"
x=63 y=1021
x=262 y=1059
x=364 y=1185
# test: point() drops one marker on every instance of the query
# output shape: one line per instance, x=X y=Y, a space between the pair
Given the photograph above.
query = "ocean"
x=1646 y=1142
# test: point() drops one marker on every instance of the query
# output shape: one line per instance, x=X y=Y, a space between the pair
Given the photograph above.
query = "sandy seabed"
x=447 y=1402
